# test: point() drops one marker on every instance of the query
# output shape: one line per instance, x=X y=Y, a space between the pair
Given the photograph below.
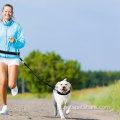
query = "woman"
x=11 y=40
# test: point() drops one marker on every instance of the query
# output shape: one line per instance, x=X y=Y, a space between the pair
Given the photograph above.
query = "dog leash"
x=35 y=74
x=43 y=81
x=18 y=53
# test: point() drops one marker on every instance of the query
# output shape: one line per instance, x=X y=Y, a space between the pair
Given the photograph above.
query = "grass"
x=30 y=95
x=87 y=94
x=99 y=96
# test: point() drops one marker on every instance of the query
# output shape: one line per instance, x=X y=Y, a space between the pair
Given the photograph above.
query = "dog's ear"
x=65 y=79
x=57 y=85
x=70 y=86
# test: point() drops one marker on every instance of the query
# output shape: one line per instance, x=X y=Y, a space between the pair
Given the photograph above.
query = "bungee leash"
x=35 y=74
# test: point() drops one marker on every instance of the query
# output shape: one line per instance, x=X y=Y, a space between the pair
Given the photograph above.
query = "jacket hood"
x=9 y=23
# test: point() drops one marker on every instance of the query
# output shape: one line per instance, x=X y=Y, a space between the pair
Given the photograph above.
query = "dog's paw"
x=58 y=115
x=63 y=118
x=55 y=113
x=67 y=112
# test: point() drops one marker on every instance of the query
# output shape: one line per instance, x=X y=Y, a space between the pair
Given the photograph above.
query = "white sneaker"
x=14 y=91
x=4 y=111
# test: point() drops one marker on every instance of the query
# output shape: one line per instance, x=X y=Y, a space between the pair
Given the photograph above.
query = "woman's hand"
x=12 y=39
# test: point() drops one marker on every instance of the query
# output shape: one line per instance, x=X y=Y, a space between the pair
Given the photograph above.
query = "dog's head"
x=63 y=86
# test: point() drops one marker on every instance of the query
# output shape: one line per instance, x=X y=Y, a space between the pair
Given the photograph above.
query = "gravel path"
x=42 y=109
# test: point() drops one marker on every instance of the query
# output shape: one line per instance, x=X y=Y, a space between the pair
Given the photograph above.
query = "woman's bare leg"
x=12 y=76
x=3 y=83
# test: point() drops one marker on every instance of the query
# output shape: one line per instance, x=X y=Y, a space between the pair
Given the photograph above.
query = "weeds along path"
x=42 y=109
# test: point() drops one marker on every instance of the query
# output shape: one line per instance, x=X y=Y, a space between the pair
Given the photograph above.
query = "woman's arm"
x=19 y=42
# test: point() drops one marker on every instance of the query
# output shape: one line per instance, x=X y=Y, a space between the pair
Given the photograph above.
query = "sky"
x=84 y=30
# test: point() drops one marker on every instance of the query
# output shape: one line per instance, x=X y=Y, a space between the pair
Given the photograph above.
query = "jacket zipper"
x=6 y=41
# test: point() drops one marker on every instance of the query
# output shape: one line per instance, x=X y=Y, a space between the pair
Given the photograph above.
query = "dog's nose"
x=63 y=87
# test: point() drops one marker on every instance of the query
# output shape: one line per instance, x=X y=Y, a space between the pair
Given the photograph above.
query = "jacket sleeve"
x=20 y=40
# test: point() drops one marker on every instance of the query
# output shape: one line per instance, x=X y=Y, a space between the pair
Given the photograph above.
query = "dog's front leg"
x=60 y=109
x=55 y=110
x=55 y=107
x=68 y=109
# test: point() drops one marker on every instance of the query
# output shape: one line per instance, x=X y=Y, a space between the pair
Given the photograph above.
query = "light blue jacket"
x=8 y=30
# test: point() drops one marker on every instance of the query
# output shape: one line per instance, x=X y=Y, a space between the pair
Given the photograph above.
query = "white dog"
x=62 y=97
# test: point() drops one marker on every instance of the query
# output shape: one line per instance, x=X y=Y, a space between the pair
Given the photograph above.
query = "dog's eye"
x=60 y=84
x=65 y=84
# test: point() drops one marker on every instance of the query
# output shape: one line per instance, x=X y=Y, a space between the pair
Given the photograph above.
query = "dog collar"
x=63 y=93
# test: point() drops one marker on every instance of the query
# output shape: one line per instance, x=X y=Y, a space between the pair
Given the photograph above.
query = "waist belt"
x=11 y=53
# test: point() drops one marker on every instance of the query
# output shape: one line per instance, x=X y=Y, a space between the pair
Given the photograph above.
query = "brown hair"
x=8 y=5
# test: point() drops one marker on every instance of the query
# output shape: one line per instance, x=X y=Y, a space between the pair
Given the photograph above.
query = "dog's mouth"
x=63 y=91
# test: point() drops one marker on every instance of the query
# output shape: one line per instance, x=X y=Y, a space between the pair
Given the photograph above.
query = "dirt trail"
x=42 y=109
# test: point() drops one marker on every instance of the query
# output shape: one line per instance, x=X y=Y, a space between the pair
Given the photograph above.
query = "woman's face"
x=7 y=13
